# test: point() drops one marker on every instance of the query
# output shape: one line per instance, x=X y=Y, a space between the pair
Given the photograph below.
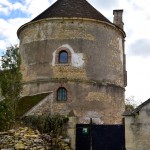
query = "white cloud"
x=18 y=6
x=3 y=44
x=138 y=78
x=140 y=47
x=6 y=7
x=8 y=28
x=137 y=48
x=3 y=10
x=135 y=18
x=5 y=2
x=107 y=4
x=34 y=7
x=8 y=31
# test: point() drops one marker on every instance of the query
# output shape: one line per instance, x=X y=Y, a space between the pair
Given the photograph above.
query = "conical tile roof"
x=71 y=8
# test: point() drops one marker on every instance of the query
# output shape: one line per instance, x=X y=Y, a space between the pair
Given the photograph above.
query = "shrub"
x=6 y=119
x=47 y=123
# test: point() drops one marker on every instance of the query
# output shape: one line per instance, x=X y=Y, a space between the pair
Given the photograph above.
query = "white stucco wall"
x=77 y=59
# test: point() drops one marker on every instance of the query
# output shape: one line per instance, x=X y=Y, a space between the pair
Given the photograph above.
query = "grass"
x=27 y=102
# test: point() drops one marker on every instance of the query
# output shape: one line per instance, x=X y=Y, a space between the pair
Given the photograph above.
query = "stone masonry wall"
x=138 y=130
x=43 y=107
x=104 y=104
x=99 y=45
x=94 y=77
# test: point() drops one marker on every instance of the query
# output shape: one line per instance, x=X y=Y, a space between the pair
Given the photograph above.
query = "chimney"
x=118 y=18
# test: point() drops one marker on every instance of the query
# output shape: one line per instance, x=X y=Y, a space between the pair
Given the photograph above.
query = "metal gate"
x=100 y=137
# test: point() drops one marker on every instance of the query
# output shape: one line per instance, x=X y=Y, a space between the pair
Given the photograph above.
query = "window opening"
x=62 y=94
x=63 y=57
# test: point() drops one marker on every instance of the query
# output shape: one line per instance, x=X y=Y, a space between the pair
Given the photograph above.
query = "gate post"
x=71 y=131
x=90 y=133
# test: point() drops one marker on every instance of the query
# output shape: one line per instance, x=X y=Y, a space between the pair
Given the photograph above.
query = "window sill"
x=63 y=64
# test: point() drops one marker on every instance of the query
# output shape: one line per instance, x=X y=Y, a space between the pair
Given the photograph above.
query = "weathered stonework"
x=83 y=102
x=97 y=96
x=138 y=129
x=37 y=52
x=69 y=72
x=94 y=76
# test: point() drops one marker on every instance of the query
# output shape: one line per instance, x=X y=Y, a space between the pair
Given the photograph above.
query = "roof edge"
x=136 y=110
x=127 y=113
x=73 y=18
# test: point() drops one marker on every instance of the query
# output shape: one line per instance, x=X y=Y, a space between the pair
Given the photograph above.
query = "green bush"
x=47 y=123
x=6 y=118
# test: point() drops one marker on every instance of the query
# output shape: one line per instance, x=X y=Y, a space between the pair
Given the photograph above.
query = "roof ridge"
x=70 y=9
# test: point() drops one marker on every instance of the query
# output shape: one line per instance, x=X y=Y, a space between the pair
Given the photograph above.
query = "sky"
x=136 y=18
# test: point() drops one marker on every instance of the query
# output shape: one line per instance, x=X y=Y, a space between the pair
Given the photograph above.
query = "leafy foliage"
x=130 y=104
x=47 y=123
x=11 y=76
x=129 y=107
x=10 y=79
x=5 y=116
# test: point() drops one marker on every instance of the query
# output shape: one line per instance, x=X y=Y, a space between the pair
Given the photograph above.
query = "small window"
x=62 y=94
x=63 y=57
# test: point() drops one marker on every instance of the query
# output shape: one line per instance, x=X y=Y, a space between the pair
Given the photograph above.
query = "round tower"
x=75 y=52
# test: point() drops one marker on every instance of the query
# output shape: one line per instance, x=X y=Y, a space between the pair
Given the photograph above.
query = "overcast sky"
x=136 y=17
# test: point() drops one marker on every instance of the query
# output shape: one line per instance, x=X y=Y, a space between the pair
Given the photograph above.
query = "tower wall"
x=95 y=74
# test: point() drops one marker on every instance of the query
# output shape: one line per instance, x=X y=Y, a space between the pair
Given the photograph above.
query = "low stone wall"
x=27 y=139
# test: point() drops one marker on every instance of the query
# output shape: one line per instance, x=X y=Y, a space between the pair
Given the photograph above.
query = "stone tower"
x=76 y=53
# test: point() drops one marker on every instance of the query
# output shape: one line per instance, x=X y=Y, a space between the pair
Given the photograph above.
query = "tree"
x=130 y=103
x=11 y=78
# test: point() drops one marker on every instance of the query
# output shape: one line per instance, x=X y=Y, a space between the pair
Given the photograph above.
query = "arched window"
x=61 y=94
x=63 y=57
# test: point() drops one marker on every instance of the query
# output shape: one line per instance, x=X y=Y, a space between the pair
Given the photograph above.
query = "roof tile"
x=71 y=8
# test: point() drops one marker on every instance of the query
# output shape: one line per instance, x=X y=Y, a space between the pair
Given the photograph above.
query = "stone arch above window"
x=74 y=59
x=62 y=94
x=63 y=56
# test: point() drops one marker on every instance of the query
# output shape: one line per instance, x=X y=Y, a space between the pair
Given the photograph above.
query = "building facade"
x=76 y=53
x=137 y=127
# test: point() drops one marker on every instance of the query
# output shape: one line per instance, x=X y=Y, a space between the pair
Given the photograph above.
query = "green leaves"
x=11 y=59
x=6 y=118
x=11 y=78
x=46 y=123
